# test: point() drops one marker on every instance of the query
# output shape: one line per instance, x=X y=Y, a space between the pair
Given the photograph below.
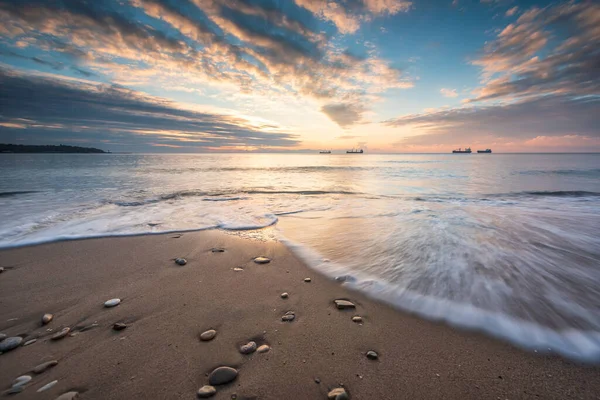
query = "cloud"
x=540 y=78
x=48 y=109
x=344 y=114
x=347 y=137
x=534 y=57
x=524 y=120
x=347 y=16
x=512 y=11
x=448 y=92
x=262 y=47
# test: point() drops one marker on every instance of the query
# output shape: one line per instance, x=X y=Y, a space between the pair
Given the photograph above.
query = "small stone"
x=68 y=396
x=15 y=390
x=338 y=394
x=208 y=335
x=264 y=348
x=1 y=270
x=88 y=327
x=45 y=366
x=10 y=343
x=317 y=380
x=47 y=386
x=344 y=304
x=357 y=319
x=59 y=335
x=307 y=279
x=217 y=250
x=46 y=318
x=289 y=316
x=262 y=260
x=285 y=295
x=248 y=348
x=27 y=343
x=371 y=355
x=21 y=380
x=206 y=391
x=180 y=261
x=237 y=269
x=222 y=375
x=119 y=326
x=112 y=303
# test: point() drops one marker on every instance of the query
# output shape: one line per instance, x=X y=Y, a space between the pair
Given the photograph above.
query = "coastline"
x=166 y=307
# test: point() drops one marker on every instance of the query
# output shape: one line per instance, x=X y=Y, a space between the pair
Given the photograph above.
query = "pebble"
x=338 y=394
x=371 y=355
x=46 y=318
x=10 y=343
x=264 y=348
x=344 y=304
x=45 y=366
x=357 y=319
x=68 y=396
x=262 y=260
x=222 y=375
x=180 y=261
x=218 y=250
x=289 y=316
x=47 y=386
x=206 y=391
x=317 y=380
x=1 y=270
x=119 y=326
x=238 y=269
x=248 y=348
x=59 y=335
x=15 y=390
x=21 y=380
x=27 y=343
x=208 y=335
x=112 y=303
x=285 y=295
x=307 y=279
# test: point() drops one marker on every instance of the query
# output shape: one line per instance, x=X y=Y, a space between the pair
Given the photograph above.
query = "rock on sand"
x=222 y=375
x=338 y=394
x=248 y=348
x=208 y=335
x=10 y=343
x=45 y=366
x=343 y=304
x=59 y=335
x=206 y=391
x=68 y=396
x=46 y=318
x=262 y=260
x=112 y=303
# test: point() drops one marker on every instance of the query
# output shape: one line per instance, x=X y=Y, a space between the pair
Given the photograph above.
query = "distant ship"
x=467 y=150
x=325 y=152
x=485 y=151
x=354 y=151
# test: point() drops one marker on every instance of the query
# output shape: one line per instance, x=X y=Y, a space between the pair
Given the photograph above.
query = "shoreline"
x=166 y=307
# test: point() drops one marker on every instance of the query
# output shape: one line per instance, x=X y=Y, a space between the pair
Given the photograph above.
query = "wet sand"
x=166 y=307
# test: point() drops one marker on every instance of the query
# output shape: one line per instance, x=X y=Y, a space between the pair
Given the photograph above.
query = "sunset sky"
x=292 y=75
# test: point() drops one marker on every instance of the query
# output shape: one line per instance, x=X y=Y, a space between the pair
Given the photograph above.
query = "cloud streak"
x=50 y=110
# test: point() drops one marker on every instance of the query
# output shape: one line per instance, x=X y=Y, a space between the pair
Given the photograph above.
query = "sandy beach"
x=165 y=306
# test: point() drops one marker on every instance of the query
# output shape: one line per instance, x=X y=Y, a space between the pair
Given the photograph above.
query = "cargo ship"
x=354 y=151
x=325 y=152
x=467 y=150
x=485 y=151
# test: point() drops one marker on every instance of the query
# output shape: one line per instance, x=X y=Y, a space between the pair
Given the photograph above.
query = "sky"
x=301 y=75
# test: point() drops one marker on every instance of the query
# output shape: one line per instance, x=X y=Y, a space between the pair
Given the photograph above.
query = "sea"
x=505 y=244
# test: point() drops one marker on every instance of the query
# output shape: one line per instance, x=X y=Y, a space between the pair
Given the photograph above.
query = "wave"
x=574 y=172
x=557 y=193
x=16 y=193
x=581 y=345
x=224 y=195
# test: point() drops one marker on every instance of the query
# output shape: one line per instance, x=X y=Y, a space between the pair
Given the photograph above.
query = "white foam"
x=572 y=343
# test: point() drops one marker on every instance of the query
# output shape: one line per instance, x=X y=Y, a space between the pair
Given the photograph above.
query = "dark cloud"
x=46 y=109
x=261 y=46
x=545 y=116
x=344 y=114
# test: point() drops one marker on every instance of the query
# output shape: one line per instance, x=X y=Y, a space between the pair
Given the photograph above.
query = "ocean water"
x=508 y=244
